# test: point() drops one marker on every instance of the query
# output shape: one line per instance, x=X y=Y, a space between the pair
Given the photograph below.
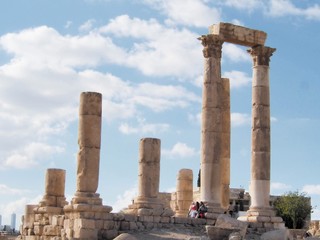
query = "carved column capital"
x=261 y=55
x=212 y=45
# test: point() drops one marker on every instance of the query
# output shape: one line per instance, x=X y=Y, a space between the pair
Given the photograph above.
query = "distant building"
x=0 y=220
x=13 y=221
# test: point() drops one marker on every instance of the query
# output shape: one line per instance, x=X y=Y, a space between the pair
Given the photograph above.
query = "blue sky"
x=144 y=57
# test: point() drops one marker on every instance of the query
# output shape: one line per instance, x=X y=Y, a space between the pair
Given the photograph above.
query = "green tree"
x=294 y=208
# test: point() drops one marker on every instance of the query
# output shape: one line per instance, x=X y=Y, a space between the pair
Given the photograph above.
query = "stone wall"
x=105 y=226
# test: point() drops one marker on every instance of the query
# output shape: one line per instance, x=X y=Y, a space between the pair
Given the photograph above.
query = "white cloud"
x=179 y=150
x=124 y=200
x=159 y=51
x=144 y=128
x=240 y=119
x=188 y=12
x=238 y=79
x=28 y=156
x=5 y=190
x=235 y=53
x=279 y=187
x=162 y=97
x=311 y=189
x=280 y=8
x=87 y=26
x=248 y=5
x=195 y=118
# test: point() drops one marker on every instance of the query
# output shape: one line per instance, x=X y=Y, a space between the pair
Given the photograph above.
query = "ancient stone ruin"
x=85 y=217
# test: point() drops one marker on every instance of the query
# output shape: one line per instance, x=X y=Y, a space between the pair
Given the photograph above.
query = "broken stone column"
x=54 y=188
x=225 y=152
x=184 y=192
x=83 y=216
x=211 y=133
x=89 y=141
x=147 y=202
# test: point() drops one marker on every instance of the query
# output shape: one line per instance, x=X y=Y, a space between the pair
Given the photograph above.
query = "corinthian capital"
x=212 y=45
x=261 y=55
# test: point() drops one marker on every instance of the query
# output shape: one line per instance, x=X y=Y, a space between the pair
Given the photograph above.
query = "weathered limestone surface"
x=211 y=133
x=89 y=142
x=148 y=202
x=228 y=32
x=184 y=192
x=225 y=151
x=54 y=188
x=260 y=134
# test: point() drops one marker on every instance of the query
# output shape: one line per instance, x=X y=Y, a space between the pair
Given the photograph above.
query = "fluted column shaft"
x=260 y=131
x=210 y=188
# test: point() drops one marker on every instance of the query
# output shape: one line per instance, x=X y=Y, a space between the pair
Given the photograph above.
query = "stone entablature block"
x=231 y=33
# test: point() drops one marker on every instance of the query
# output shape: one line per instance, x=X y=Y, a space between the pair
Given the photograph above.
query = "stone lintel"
x=237 y=34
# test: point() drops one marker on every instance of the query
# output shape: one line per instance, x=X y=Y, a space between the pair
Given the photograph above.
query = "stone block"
x=38 y=230
x=31 y=237
x=168 y=212
x=130 y=218
x=99 y=224
x=156 y=219
x=124 y=226
x=107 y=216
x=118 y=216
x=108 y=224
x=83 y=233
x=110 y=234
x=145 y=218
x=57 y=220
x=148 y=225
x=50 y=230
x=228 y=32
x=276 y=219
x=84 y=224
x=264 y=219
x=133 y=226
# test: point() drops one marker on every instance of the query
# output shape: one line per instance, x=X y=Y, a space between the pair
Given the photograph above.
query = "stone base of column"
x=262 y=218
x=86 y=198
x=85 y=216
x=53 y=201
x=143 y=206
x=214 y=210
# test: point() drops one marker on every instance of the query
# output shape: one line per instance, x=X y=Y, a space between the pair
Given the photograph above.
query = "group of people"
x=197 y=210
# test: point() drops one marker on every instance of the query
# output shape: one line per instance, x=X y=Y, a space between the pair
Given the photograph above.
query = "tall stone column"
x=211 y=133
x=54 y=188
x=184 y=192
x=225 y=152
x=260 y=131
x=89 y=141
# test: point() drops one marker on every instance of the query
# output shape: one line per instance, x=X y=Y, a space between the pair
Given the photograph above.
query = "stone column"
x=54 y=188
x=89 y=142
x=184 y=192
x=260 y=131
x=149 y=170
x=225 y=152
x=211 y=133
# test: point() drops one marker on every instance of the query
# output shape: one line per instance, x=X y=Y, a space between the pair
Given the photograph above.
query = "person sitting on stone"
x=202 y=210
x=193 y=210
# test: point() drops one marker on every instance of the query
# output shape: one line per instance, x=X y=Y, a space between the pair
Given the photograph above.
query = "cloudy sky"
x=145 y=59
